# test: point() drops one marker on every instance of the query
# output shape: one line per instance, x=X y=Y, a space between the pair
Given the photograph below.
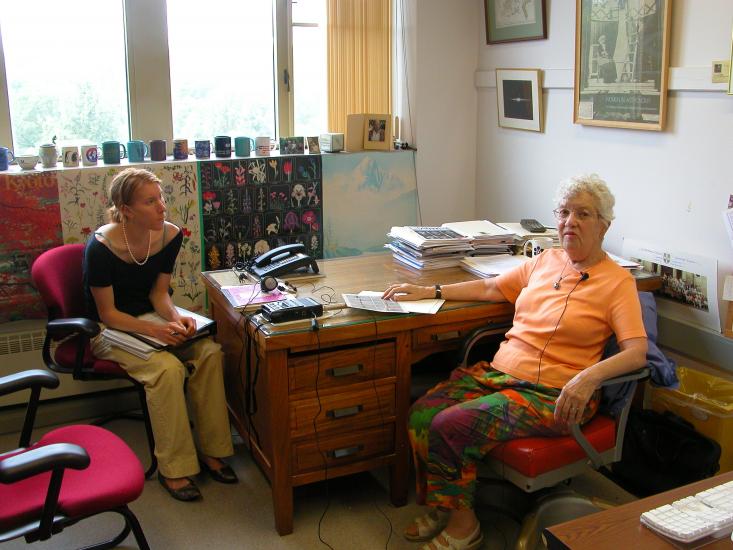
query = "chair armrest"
x=638 y=374
x=43 y=459
x=476 y=335
x=60 y=328
x=35 y=378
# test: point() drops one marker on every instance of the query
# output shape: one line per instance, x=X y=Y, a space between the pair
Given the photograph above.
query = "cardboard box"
x=331 y=143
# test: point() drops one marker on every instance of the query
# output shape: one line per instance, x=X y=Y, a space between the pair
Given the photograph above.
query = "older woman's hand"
x=406 y=291
x=573 y=398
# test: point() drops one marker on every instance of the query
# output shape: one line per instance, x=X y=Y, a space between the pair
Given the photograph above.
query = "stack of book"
x=428 y=248
x=486 y=237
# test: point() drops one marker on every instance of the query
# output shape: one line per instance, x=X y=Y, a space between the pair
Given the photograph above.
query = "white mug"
x=533 y=247
x=70 y=156
x=262 y=146
x=49 y=155
x=89 y=155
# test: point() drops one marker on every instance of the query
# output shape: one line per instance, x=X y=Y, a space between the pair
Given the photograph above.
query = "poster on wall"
x=689 y=290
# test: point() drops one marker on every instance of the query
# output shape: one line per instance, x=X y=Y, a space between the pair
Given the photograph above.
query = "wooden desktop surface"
x=620 y=528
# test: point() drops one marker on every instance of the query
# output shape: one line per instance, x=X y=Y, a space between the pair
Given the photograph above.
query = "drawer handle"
x=345 y=371
x=450 y=335
x=347 y=451
x=346 y=411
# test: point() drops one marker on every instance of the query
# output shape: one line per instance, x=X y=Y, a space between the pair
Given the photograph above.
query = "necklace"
x=556 y=284
x=127 y=244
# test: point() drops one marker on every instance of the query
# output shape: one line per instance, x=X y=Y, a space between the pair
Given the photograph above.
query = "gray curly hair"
x=595 y=187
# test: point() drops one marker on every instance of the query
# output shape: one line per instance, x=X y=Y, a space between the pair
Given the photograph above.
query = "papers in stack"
x=372 y=301
x=143 y=345
x=491 y=266
x=523 y=235
x=427 y=248
x=427 y=237
x=249 y=297
x=623 y=262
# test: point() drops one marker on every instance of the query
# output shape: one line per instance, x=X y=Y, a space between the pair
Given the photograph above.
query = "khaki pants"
x=163 y=376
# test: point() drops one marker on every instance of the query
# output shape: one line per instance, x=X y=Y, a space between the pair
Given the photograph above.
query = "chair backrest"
x=57 y=274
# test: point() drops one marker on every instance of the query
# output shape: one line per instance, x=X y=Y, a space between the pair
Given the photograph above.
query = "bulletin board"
x=249 y=206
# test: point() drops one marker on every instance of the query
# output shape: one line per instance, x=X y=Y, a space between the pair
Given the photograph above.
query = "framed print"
x=378 y=132
x=621 y=63
x=514 y=20
x=519 y=98
x=292 y=146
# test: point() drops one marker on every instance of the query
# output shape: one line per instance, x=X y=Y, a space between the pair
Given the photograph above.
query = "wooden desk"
x=620 y=527
x=334 y=402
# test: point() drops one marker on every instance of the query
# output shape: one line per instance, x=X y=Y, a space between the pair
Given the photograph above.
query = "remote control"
x=532 y=225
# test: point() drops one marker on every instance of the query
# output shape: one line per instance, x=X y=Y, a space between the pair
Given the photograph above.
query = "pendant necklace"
x=127 y=244
x=556 y=284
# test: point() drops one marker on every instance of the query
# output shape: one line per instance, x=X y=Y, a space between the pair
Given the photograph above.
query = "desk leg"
x=282 y=500
x=399 y=470
x=276 y=399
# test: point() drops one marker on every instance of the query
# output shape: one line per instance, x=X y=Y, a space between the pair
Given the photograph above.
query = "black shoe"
x=225 y=474
x=187 y=493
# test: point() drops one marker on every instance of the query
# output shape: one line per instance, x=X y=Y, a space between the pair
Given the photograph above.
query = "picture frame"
x=730 y=67
x=512 y=21
x=378 y=132
x=622 y=63
x=519 y=99
x=292 y=146
x=314 y=146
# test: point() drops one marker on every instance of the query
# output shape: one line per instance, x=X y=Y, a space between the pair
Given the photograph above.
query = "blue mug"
x=137 y=150
x=202 y=148
x=112 y=152
x=6 y=157
x=243 y=146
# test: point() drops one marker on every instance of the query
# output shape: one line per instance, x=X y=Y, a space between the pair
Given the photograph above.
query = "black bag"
x=663 y=451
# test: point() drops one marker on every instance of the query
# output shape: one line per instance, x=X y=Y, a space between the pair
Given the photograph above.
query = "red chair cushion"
x=532 y=456
x=114 y=477
x=57 y=274
x=66 y=356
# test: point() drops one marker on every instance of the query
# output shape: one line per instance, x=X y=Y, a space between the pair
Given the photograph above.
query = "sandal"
x=471 y=542
x=428 y=525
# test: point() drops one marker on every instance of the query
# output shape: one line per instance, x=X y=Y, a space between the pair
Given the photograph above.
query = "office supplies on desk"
x=282 y=261
x=249 y=297
x=491 y=266
x=372 y=301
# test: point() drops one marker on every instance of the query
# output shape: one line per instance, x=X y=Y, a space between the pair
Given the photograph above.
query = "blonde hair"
x=595 y=187
x=123 y=187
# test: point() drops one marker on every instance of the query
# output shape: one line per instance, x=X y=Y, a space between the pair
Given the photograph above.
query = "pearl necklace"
x=127 y=244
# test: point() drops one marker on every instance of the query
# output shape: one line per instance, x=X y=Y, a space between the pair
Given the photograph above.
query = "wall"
x=670 y=186
x=444 y=113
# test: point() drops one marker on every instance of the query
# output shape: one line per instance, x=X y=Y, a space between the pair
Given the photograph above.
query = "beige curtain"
x=359 y=59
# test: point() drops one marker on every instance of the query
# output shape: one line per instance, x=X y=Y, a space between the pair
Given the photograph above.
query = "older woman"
x=544 y=375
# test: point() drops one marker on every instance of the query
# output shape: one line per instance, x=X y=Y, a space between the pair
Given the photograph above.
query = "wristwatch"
x=438 y=293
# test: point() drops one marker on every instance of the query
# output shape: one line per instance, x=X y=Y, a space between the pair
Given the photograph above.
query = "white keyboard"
x=707 y=513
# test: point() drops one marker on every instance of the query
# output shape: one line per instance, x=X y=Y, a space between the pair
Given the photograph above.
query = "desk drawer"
x=446 y=334
x=336 y=450
x=343 y=411
x=340 y=367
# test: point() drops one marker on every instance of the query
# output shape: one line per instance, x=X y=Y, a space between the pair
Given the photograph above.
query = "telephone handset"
x=283 y=260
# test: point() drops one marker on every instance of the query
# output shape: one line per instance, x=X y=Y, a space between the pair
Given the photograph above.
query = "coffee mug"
x=223 y=146
x=157 y=149
x=202 y=148
x=70 y=156
x=6 y=157
x=263 y=146
x=89 y=155
x=113 y=151
x=180 y=149
x=243 y=146
x=49 y=155
x=136 y=150
x=533 y=247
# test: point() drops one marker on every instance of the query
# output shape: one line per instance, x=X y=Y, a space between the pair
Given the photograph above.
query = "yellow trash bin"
x=706 y=401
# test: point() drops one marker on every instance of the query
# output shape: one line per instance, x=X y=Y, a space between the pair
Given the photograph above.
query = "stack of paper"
x=248 y=297
x=522 y=235
x=428 y=247
x=486 y=237
x=491 y=266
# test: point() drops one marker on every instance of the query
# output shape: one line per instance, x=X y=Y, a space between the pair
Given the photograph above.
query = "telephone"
x=283 y=260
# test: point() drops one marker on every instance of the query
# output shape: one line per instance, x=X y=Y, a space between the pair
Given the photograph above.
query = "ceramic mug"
x=202 y=148
x=6 y=157
x=180 y=149
x=70 y=156
x=534 y=247
x=243 y=146
x=157 y=149
x=136 y=150
x=27 y=162
x=49 y=155
x=263 y=146
x=89 y=155
x=113 y=151
x=223 y=146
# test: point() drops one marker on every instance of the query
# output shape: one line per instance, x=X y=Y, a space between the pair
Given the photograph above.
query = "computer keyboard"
x=708 y=513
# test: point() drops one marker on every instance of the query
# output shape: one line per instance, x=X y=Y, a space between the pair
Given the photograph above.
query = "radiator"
x=21 y=343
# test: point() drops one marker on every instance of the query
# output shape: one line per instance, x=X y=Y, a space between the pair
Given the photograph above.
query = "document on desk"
x=372 y=301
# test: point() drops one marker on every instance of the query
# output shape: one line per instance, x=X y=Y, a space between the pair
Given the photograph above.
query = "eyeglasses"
x=581 y=214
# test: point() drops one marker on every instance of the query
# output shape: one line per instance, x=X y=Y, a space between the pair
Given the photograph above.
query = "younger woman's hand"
x=190 y=325
x=406 y=291
x=171 y=333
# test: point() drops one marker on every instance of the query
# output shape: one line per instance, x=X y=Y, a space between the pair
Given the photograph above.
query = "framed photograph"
x=314 y=146
x=621 y=63
x=292 y=146
x=378 y=132
x=519 y=98
x=514 y=20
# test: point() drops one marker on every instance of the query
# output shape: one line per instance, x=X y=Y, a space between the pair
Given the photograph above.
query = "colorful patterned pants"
x=459 y=421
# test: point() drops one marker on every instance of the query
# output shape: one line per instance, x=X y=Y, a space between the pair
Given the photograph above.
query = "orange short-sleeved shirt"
x=607 y=302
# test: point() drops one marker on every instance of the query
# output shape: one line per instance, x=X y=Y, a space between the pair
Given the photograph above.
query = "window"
x=309 y=67
x=221 y=66
x=65 y=66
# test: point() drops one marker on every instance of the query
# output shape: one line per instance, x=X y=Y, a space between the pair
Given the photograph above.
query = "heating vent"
x=22 y=342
